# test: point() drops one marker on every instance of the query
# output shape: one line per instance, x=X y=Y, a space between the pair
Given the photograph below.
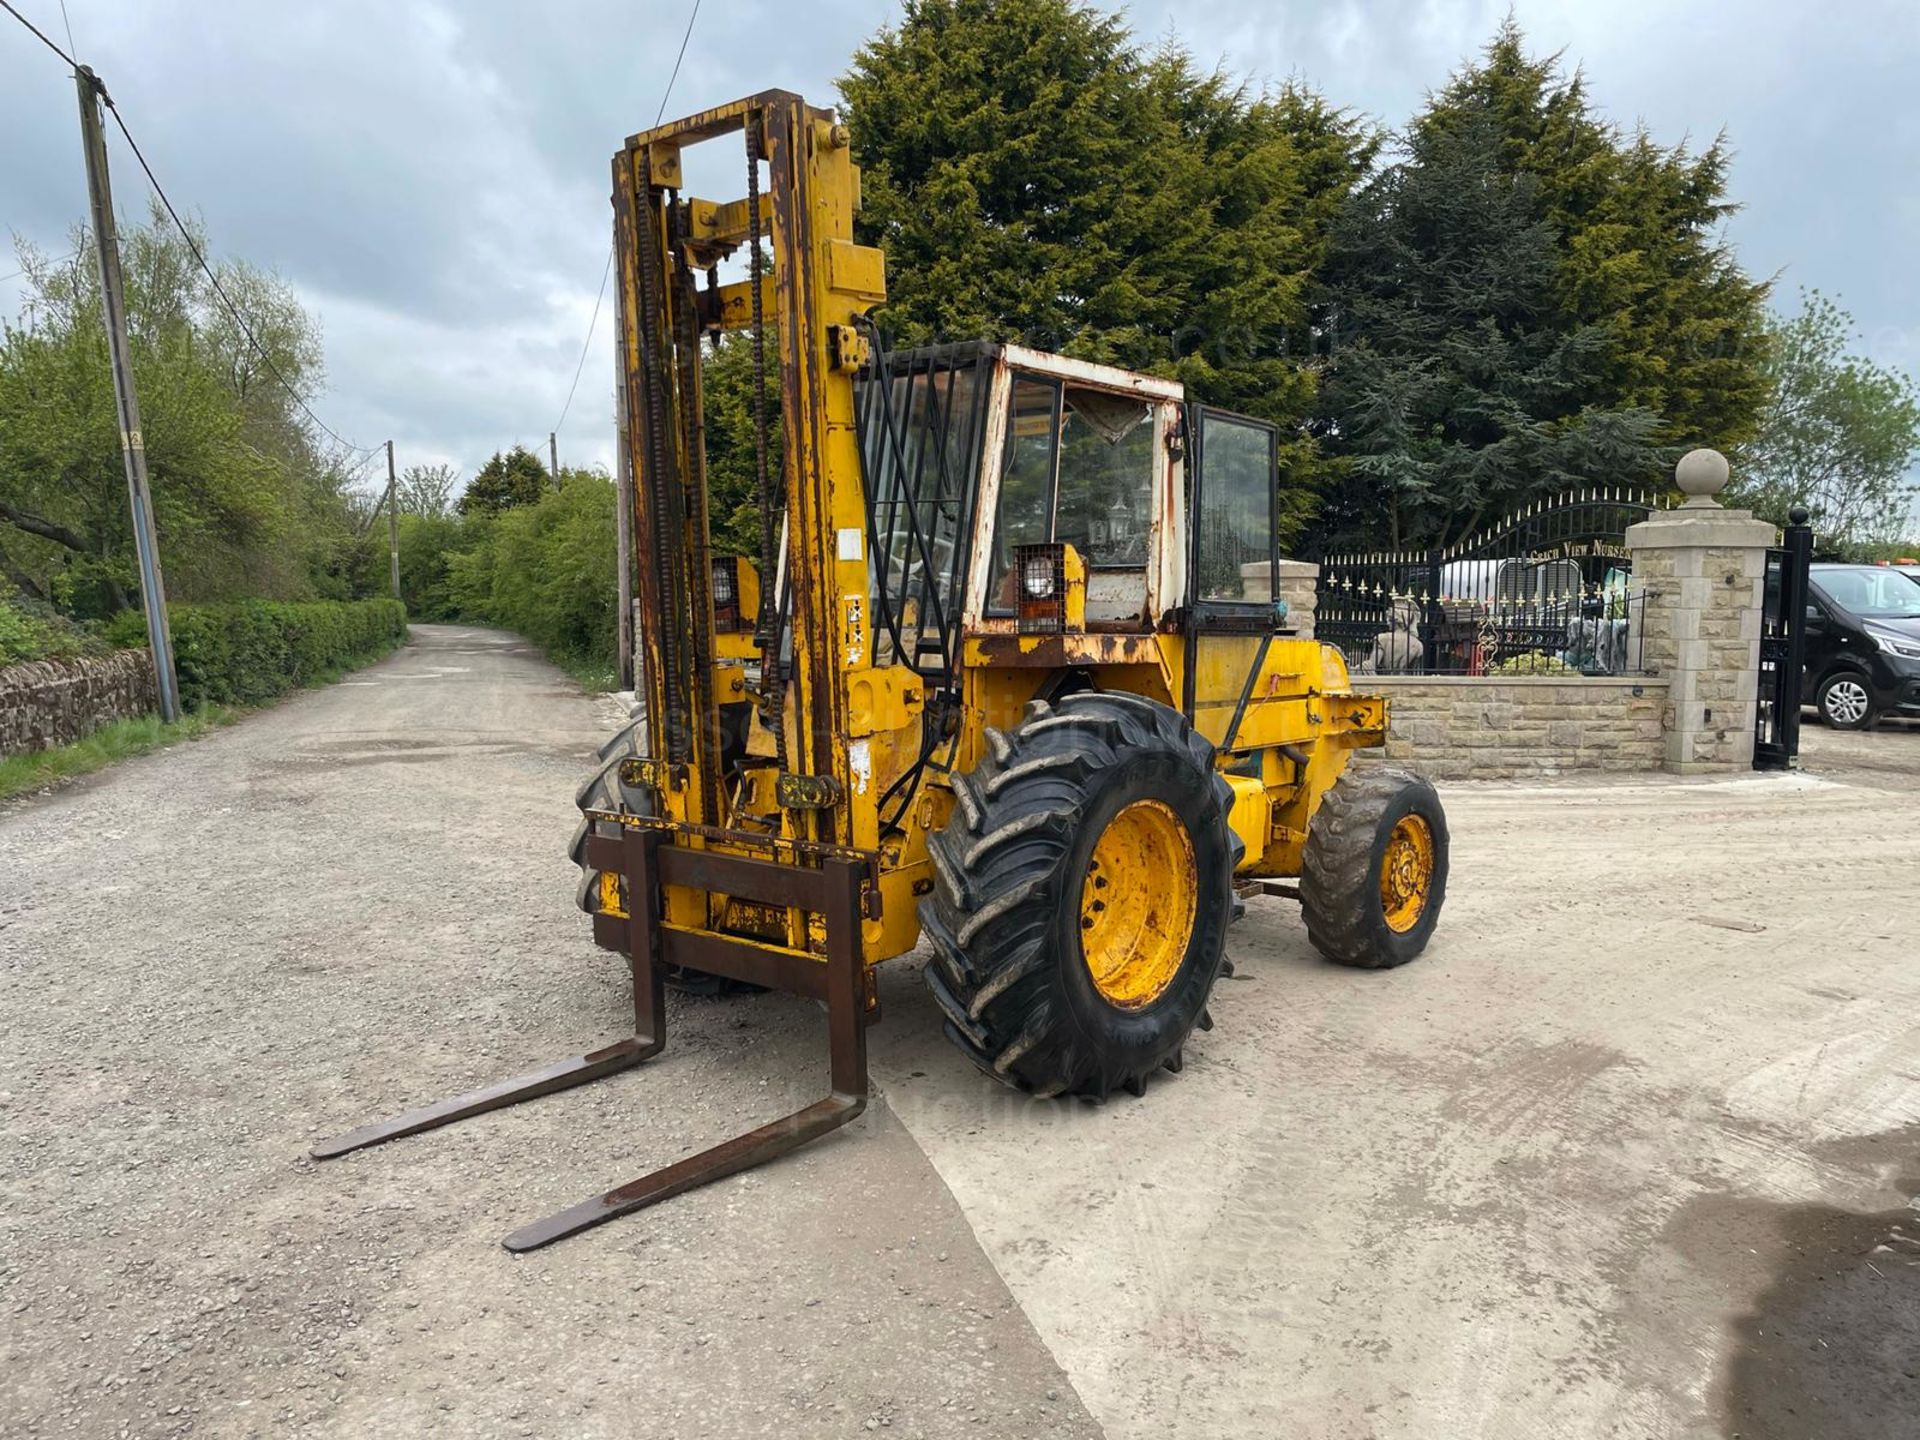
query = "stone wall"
x=1471 y=728
x=53 y=702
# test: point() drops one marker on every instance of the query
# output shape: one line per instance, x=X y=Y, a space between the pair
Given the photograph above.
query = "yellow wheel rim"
x=1406 y=873
x=1137 y=904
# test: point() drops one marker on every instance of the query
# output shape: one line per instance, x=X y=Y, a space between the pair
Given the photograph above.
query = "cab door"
x=1232 y=541
x=1232 y=555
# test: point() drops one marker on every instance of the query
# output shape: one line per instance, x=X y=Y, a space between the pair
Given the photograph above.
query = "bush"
x=34 y=632
x=430 y=547
x=545 y=570
x=553 y=571
x=1534 y=662
x=247 y=653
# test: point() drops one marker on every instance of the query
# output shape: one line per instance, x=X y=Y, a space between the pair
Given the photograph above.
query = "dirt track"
x=1612 y=1160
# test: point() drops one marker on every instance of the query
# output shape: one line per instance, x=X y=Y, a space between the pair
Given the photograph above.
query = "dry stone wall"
x=44 y=703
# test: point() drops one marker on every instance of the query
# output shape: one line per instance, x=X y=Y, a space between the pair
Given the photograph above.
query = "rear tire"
x=1374 y=873
x=1019 y=882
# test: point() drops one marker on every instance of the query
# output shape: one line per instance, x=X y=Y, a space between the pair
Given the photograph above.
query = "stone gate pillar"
x=1299 y=586
x=1702 y=567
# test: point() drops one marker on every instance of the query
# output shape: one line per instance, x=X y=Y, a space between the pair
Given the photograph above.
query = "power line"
x=187 y=235
x=598 y=299
x=40 y=35
x=218 y=288
x=587 y=345
x=57 y=260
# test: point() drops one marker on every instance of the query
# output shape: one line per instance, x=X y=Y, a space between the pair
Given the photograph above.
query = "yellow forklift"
x=1008 y=677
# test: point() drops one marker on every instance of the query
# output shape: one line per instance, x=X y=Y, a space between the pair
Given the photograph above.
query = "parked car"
x=1863 y=644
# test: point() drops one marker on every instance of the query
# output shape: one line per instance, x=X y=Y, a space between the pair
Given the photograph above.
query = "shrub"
x=249 y=652
x=545 y=570
x=34 y=632
x=1534 y=662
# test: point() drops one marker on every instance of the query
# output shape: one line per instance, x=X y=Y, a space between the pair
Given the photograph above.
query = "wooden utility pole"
x=623 y=495
x=393 y=522
x=133 y=450
x=553 y=456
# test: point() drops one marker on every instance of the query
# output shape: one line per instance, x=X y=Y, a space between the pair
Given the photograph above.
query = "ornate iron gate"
x=1783 y=647
x=1545 y=589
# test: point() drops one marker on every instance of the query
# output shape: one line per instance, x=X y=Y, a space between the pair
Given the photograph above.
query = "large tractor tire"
x=602 y=790
x=1374 y=873
x=1082 y=895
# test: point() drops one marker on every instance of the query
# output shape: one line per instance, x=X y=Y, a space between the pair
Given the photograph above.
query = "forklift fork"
x=643 y=855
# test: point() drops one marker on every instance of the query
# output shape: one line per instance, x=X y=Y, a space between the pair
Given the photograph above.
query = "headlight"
x=722 y=582
x=1904 y=646
x=1037 y=578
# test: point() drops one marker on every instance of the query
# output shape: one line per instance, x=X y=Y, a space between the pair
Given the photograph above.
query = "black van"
x=1863 y=644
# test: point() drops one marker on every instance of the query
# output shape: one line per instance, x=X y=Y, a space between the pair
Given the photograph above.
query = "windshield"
x=1871 y=593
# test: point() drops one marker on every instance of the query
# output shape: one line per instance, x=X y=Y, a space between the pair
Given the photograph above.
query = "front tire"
x=1083 y=891
x=1845 y=701
x=1374 y=873
x=604 y=791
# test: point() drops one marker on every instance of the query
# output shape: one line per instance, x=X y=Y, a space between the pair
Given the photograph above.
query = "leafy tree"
x=429 y=549
x=1033 y=176
x=511 y=478
x=1456 y=394
x=1841 y=436
x=545 y=570
x=246 y=500
x=427 y=490
x=733 y=487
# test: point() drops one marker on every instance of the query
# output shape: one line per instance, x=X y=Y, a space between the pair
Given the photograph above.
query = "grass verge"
x=595 y=675
x=124 y=739
x=112 y=743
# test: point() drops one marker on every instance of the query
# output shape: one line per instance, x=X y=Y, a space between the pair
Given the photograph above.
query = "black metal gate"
x=1545 y=589
x=1783 y=647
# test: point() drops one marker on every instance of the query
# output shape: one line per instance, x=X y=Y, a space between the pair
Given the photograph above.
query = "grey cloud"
x=433 y=176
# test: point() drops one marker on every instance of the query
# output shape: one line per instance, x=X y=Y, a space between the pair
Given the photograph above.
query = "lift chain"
x=767 y=625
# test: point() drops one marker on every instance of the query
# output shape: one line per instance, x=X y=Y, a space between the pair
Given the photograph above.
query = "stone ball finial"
x=1701 y=475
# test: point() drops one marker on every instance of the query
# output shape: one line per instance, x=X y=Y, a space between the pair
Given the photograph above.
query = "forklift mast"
x=805 y=284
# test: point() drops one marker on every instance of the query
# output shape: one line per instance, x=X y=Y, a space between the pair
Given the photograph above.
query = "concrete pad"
x=1461 y=1199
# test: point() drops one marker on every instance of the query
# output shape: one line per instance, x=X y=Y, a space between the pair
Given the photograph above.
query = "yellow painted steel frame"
x=852 y=728
x=1301 y=724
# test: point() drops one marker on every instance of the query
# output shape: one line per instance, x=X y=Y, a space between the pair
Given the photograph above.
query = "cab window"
x=1078 y=468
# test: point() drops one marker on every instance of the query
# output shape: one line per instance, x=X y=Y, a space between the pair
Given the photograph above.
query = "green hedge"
x=246 y=653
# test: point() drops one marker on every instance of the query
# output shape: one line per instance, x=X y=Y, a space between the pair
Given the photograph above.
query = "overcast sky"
x=432 y=177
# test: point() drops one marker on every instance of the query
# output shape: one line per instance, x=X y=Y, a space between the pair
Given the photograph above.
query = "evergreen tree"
x=511 y=478
x=1035 y=177
x=733 y=486
x=1571 y=315
x=1641 y=249
x=1454 y=391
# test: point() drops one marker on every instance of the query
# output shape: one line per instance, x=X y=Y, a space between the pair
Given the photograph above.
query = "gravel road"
x=357 y=901
x=1632 y=1152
